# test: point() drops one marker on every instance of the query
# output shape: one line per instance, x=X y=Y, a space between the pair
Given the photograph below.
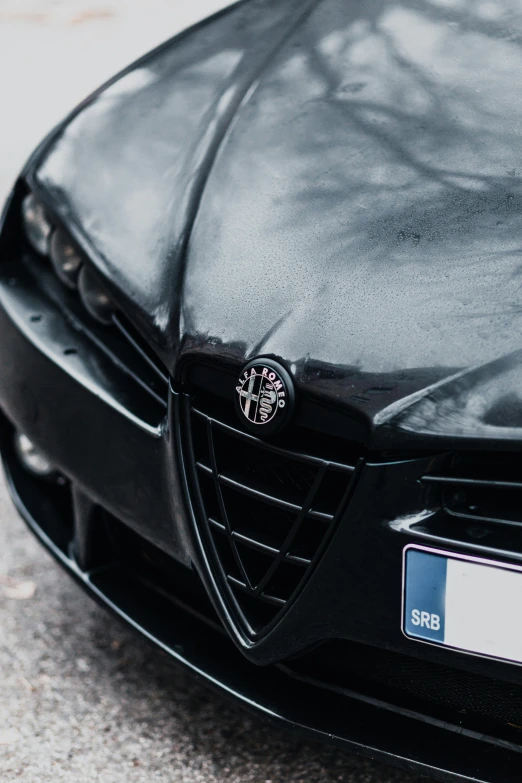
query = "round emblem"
x=264 y=396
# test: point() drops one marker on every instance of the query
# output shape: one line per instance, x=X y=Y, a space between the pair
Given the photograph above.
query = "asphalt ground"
x=81 y=697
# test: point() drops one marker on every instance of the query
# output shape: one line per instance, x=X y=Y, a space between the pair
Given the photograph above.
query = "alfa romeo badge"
x=264 y=396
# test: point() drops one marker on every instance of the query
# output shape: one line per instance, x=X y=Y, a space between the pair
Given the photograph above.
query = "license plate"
x=466 y=603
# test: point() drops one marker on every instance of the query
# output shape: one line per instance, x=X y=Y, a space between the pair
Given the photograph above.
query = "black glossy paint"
x=334 y=185
x=352 y=172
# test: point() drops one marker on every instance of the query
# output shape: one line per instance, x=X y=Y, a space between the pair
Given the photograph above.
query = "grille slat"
x=246 y=490
x=271 y=599
x=265 y=512
x=251 y=542
x=293 y=531
x=463 y=481
x=480 y=495
x=224 y=515
x=289 y=454
x=480 y=518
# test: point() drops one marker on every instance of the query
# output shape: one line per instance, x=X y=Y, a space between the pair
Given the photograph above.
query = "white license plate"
x=467 y=603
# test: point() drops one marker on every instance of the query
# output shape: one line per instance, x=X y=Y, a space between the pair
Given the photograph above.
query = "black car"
x=261 y=366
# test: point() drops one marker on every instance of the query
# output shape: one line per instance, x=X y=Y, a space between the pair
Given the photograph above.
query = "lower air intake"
x=265 y=513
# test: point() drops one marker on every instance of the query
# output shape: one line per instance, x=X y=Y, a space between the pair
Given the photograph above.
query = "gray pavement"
x=81 y=697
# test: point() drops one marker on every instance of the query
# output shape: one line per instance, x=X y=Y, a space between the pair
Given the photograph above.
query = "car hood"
x=333 y=184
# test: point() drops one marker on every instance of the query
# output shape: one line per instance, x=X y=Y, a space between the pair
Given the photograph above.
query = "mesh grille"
x=415 y=684
x=265 y=512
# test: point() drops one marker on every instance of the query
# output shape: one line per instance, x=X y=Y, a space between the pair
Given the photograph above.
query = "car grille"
x=482 y=488
x=479 y=497
x=468 y=699
x=265 y=512
x=139 y=360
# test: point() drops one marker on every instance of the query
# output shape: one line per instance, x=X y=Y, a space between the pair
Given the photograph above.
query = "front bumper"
x=119 y=456
x=348 y=719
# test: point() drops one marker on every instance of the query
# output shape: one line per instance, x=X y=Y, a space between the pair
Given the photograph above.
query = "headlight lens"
x=32 y=458
x=65 y=258
x=67 y=262
x=36 y=224
x=94 y=297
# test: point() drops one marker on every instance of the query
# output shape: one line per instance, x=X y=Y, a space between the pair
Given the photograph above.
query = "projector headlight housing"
x=67 y=261
x=95 y=298
x=37 y=225
x=65 y=258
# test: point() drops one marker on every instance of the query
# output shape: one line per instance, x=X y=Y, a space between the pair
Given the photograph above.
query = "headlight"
x=65 y=258
x=36 y=224
x=67 y=261
x=32 y=458
x=94 y=297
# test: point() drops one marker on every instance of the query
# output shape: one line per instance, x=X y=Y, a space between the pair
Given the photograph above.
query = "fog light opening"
x=65 y=259
x=33 y=459
x=94 y=297
x=36 y=224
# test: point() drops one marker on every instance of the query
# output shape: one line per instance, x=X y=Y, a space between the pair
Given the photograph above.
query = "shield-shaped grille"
x=264 y=512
